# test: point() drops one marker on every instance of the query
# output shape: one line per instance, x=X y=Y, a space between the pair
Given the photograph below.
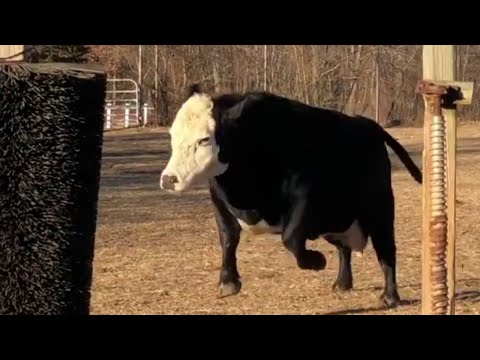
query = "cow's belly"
x=269 y=222
x=260 y=228
x=257 y=222
x=353 y=238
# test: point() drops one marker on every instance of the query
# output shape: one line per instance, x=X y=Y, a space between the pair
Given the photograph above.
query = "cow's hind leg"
x=384 y=245
x=383 y=241
x=344 y=281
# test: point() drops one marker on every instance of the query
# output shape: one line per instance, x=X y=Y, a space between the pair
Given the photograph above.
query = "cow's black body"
x=310 y=171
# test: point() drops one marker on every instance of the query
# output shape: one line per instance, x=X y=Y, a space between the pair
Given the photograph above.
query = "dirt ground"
x=158 y=253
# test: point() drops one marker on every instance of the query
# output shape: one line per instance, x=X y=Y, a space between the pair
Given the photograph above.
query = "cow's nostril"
x=168 y=182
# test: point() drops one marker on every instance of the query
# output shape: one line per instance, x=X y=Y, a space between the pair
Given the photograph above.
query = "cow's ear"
x=193 y=89
x=238 y=109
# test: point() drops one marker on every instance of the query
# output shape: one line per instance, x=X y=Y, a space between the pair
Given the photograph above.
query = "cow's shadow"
x=466 y=295
x=367 y=310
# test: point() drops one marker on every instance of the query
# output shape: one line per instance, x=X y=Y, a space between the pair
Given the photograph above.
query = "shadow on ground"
x=472 y=296
x=371 y=309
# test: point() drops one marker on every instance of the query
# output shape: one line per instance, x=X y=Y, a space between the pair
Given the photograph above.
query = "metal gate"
x=123 y=104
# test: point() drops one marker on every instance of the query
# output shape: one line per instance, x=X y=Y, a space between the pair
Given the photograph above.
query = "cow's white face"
x=194 y=157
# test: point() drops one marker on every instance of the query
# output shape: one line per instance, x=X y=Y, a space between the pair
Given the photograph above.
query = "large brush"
x=51 y=134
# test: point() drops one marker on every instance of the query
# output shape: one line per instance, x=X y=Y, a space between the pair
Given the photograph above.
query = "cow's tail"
x=403 y=155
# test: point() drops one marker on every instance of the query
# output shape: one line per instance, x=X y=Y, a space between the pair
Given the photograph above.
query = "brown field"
x=158 y=254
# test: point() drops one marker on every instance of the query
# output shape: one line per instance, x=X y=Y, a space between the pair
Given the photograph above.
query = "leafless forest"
x=341 y=77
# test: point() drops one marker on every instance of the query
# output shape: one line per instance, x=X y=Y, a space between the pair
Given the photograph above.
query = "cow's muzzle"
x=168 y=182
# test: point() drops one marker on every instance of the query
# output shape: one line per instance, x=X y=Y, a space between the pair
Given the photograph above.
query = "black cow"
x=280 y=166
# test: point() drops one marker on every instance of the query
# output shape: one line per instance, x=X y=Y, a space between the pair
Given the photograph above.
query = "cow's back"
x=283 y=144
x=282 y=136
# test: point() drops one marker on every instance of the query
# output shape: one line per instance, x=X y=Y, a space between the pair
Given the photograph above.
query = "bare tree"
x=340 y=77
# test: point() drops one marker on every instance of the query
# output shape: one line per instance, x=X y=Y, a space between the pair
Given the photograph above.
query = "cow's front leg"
x=294 y=237
x=229 y=283
x=229 y=235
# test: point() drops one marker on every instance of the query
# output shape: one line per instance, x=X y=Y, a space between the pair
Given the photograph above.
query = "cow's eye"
x=204 y=141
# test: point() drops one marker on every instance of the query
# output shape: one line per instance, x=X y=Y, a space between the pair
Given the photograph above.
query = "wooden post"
x=439 y=195
x=12 y=52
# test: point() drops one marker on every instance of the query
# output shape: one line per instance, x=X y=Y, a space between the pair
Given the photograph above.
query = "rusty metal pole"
x=435 y=228
x=435 y=218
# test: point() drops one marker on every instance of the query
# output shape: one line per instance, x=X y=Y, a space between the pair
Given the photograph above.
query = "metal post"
x=437 y=268
x=439 y=68
x=435 y=204
x=109 y=115
x=145 y=114
x=127 y=114
x=140 y=88
x=442 y=95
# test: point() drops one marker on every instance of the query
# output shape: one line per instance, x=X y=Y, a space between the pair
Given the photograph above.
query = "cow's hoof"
x=342 y=286
x=229 y=289
x=312 y=260
x=390 y=300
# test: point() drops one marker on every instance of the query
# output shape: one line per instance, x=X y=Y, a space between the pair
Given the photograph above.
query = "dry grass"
x=159 y=254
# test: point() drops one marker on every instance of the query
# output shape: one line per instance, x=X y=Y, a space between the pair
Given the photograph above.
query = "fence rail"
x=124 y=116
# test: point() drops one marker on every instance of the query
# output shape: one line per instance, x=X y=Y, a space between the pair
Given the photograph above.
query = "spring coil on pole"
x=438 y=216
